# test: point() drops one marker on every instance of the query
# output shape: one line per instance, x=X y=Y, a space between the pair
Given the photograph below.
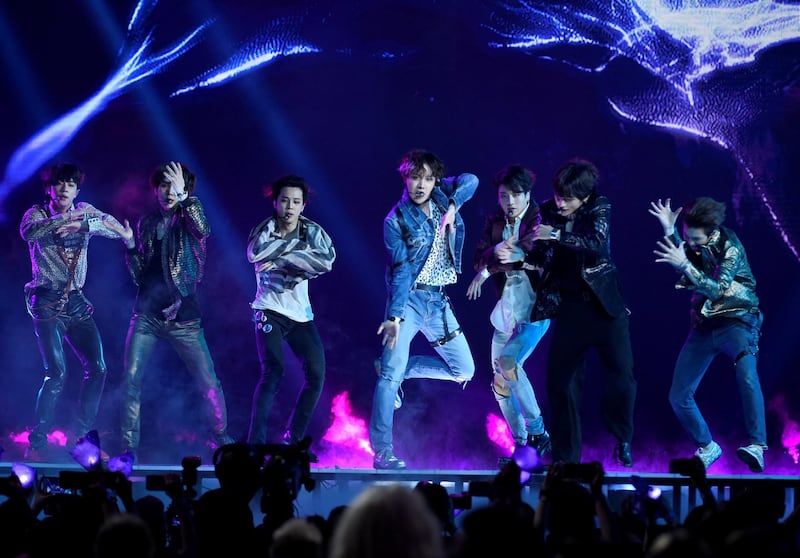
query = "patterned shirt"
x=439 y=268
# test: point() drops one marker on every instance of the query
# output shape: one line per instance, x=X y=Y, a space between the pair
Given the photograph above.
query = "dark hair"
x=516 y=178
x=704 y=213
x=414 y=160
x=62 y=172
x=273 y=189
x=576 y=179
x=157 y=177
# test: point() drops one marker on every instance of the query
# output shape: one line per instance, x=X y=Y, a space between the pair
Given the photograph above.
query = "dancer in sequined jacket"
x=58 y=233
x=166 y=259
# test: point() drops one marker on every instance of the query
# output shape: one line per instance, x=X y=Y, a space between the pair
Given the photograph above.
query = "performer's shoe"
x=709 y=453
x=622 y=454
x=753 y=456
x=387 y=460
x=540 y=442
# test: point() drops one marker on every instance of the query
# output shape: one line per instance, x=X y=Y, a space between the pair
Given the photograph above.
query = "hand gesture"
x=663 y=212
x=390 y=330
x=670 y=253
x=69 y=227
x=474 y=289
x=174 y=174
x=447 y=222
x=504 y=250
x=543 y=232
x=124 y=230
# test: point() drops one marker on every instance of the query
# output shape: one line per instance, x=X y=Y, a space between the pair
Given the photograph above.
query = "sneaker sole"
x=750 y=460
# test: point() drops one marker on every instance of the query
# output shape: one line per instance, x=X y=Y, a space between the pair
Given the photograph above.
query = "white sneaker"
x=753 y=456
x=709 y=454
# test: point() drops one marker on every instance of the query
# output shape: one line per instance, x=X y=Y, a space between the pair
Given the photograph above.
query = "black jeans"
x=188 y=340
x=56 y=321
x=581 y=325
x=304 y=340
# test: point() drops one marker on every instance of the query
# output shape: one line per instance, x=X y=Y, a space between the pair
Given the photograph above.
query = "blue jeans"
x=189 y=341
x=520 y=408
x=431 y=314
x=303 y=338
x=734 y=339
x=53 y=323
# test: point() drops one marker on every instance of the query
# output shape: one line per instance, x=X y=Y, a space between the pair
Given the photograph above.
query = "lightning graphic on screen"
x=692 y=49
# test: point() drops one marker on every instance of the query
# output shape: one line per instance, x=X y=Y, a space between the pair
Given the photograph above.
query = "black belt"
x=430 y=288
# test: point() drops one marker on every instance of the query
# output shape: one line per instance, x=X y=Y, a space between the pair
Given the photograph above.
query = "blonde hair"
x=390 y=521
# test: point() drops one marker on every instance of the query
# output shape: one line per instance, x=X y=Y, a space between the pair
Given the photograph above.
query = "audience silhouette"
x=99 y=518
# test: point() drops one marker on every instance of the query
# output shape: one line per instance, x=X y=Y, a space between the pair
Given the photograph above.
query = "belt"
x=430 y=288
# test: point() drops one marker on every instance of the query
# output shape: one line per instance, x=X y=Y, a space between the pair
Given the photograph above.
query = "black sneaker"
x=622 y=454
x=540 y=442
x=387 y=460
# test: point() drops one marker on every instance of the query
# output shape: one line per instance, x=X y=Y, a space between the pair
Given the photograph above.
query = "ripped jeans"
x=736 y=340
x=431 y=314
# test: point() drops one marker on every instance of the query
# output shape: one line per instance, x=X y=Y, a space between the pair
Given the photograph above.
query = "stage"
x=334 y=486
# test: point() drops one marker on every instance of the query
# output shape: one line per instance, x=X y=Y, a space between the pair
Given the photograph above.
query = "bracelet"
x=555 y=234
x=685 y=264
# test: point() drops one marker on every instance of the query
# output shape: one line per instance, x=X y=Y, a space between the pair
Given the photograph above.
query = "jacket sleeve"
x=36 y=223
x=134 y=257
x=710 y=287
x=596 y=237
x=398 y=272
x=460 y=189
x=98 y=222
x=194 y=218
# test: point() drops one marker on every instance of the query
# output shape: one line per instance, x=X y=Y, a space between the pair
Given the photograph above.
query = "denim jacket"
x=409 y=242
x=724 y=285
x=590 y=238
x=183 y=256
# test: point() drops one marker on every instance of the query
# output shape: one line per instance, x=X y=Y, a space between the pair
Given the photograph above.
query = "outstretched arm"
x=665 y=215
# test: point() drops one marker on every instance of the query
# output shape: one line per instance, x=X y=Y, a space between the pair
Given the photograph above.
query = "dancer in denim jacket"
x=424 y=237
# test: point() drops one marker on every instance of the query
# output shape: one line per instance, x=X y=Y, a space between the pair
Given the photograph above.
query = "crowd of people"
x=572 y=516
x=550 y=264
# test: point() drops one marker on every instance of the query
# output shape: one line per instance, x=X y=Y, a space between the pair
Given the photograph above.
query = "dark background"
x=342 y=118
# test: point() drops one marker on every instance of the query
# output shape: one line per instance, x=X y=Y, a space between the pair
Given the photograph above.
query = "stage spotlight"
x=25 y=474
